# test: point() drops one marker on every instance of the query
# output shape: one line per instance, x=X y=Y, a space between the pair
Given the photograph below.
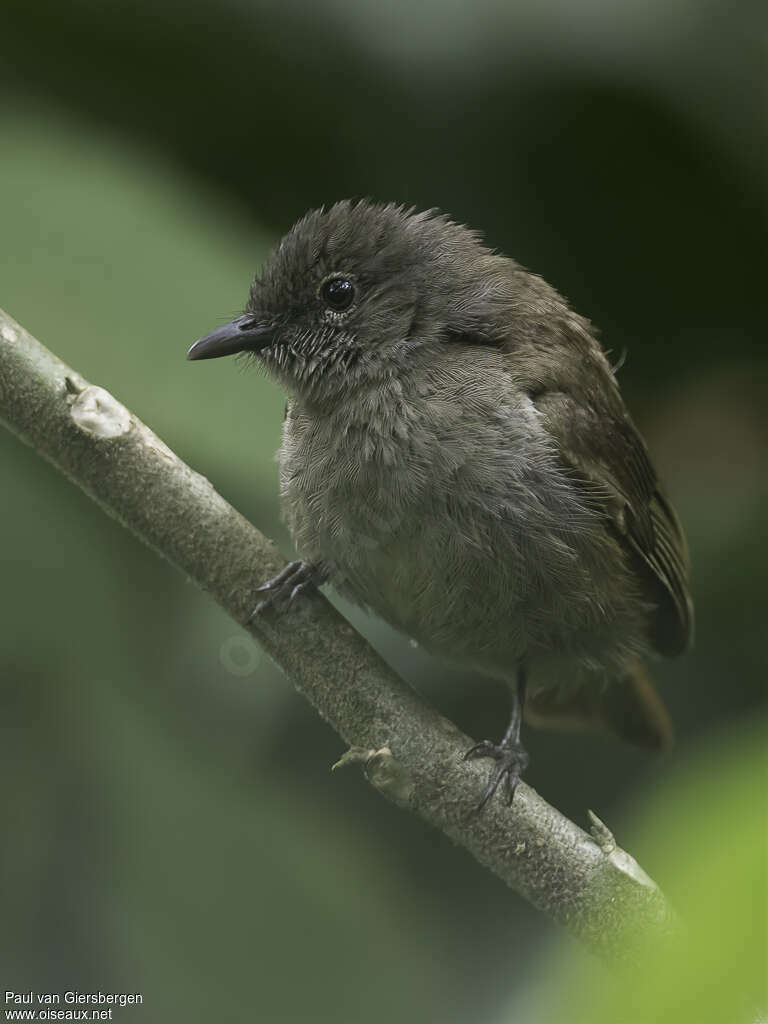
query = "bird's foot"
x=283 y=589
x=511 y=761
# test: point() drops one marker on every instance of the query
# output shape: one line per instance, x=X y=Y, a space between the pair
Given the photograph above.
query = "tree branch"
x=409 y=752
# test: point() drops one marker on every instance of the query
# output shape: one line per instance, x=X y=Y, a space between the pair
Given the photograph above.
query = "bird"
x=457 y=458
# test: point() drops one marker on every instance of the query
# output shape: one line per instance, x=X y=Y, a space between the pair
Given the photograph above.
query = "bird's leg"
x=292 y=580
x=510 y=757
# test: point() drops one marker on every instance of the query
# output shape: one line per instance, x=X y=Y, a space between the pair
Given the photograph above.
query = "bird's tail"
x=630 y=708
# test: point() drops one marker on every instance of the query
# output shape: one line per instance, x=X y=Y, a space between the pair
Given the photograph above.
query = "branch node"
x=382 y=770
x=96 y=412
x=601 y=834
x=355 y=755
x=620 y=859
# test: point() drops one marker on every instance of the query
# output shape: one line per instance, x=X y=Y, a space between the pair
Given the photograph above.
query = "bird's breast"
x=447 y=515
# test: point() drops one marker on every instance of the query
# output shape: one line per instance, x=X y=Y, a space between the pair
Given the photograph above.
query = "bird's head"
x=351 y=292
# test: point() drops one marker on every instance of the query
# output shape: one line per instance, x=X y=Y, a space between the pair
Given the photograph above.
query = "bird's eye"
x=338 y=293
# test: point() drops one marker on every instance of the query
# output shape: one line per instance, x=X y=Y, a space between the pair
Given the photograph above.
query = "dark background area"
x=171 y=826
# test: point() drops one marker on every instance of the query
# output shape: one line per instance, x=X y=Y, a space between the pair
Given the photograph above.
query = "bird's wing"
x=600 y=445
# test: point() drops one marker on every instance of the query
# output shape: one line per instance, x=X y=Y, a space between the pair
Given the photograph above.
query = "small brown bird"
x=457 y=457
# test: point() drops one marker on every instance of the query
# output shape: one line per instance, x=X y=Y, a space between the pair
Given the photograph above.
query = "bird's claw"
x=511 y=761
x=282 y=590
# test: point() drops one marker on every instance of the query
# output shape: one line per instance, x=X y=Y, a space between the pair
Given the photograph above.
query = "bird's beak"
x=244 y=334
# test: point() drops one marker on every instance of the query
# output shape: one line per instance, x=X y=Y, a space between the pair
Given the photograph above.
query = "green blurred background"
x=170 y=825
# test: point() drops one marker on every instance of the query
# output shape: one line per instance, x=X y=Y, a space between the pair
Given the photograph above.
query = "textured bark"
x=409 y=752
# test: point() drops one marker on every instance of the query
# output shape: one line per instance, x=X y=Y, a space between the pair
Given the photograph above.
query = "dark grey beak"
x=244 y=334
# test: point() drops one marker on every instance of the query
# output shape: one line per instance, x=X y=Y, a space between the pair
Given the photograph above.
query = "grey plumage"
x=456 y=454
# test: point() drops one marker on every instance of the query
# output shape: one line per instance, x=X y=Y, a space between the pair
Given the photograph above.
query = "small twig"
x=410 y=753
x=601 y=833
